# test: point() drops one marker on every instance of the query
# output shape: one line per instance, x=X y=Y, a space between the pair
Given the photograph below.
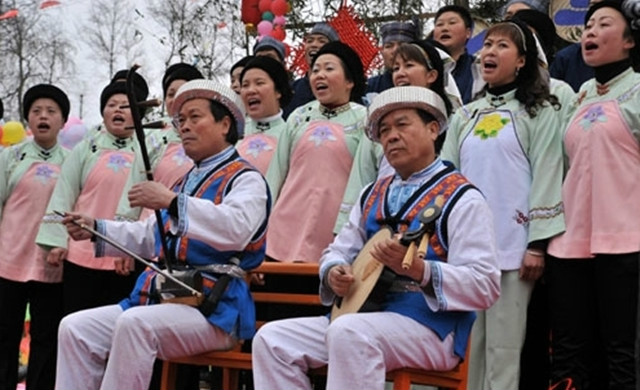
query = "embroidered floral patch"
x=490 y=125
x=257 y=145
x=117 y=162
x=322 y=134
x=44 y=173
x=594 y=114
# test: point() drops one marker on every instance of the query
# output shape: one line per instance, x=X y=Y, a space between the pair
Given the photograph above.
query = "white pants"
x=498 y=335
x=110 y=349
x=359 y=349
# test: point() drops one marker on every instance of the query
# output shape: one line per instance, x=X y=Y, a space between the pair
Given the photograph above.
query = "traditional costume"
x=516 y=161
x=28 y=174
x=220 y=212
x=309 y=170
x=422 y=324
x=593 y=281
x=91 y=181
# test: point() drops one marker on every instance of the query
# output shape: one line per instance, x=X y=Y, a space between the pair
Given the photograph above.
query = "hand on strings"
x=340 y=278
x=150 y=194
x=391 y=252
x=56 y=255
x=73 y=222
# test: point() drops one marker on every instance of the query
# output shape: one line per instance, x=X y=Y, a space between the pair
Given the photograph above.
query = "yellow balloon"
x=12 y=133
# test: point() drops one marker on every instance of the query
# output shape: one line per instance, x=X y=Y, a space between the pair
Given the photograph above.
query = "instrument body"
x=371 y=278
x=366 y=272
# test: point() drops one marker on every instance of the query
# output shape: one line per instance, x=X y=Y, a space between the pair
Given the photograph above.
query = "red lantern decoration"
x=278 y=33
x=264 y=5
x=279 y=7
x=250 y=12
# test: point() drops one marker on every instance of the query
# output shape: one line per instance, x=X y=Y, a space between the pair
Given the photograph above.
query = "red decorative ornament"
x=352 y=31
x=250 y=12
x=279 y=7
x=278 y=33
x=264 y=5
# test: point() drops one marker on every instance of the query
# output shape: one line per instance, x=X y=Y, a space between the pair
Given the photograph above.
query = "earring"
x=517 y=71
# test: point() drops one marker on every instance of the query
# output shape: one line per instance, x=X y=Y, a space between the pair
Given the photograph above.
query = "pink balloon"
x=72 y=132
x=265 y=27
x=280 y=20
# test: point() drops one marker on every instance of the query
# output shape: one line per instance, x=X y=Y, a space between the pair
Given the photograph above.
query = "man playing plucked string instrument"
x=427 y=313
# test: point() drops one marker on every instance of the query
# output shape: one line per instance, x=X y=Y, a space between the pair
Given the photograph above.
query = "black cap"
x=46 y=91
x=276 y=71
x=354 y=70
x=138 y=81
x=240 y=63
x=116 y=88
x=179 y=71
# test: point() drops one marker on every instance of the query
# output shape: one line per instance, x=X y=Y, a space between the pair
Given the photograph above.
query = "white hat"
x=211 y=90
x=405 y=97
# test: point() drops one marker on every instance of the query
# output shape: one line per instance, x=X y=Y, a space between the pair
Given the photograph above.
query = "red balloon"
x=250 y=12
x=264 y=5
x=279 y=7
x=278 y=33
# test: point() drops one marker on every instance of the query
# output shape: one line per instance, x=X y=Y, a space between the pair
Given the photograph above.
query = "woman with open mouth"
x=417 y=64
x=167 y=157
x=91 y=181
x=508 y=144
x=265 y=89
x=309 y=170
x=28 y=174
x=593 y=283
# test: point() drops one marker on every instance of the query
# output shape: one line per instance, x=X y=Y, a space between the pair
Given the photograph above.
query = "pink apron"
x=21 y=260
x=302 y=221
x=99 y=198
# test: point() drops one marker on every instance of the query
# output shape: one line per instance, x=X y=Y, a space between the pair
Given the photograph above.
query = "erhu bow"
x=134 y=107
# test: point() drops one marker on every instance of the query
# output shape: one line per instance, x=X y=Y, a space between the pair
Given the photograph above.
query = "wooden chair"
x=235 y=360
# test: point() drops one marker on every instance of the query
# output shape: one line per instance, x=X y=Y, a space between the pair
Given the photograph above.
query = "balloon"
x=72 y=133
x=280 y=20
x=250 y=12
x=264 y=5
x=12 y=133
x=250 y=28
x=267 y=16
x=278 y=33
x=279 y=7
x=265 y=27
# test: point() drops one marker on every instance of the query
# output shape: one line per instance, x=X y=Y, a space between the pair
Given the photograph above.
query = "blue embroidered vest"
x=450 y=184
x=235 y=312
